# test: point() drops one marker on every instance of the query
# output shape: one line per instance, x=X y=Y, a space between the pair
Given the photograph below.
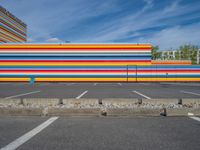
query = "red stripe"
x=11 y=71
x=168 y=70
x=57 y=61
x=72 y=49
x=130 y=71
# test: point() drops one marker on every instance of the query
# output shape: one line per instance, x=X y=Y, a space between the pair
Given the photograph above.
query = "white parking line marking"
x=24 y=138
x=120 y=84
x=21 y=94
x=78 y=97
x=141 y=94
x=195 y=118
x=95 y=84
x=187 y=92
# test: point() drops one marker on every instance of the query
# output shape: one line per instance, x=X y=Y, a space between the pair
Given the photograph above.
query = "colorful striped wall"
x=11 y=28
x=167 y=73
x=70 y=62
x=88 y=63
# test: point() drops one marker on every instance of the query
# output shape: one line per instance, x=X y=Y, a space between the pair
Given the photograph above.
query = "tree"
x=189 y=52
x=155 y=53
x=177 y=55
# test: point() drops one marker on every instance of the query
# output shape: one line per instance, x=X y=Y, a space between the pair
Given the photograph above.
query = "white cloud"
x=50 y=19
x=54 y=40
x=176 y=36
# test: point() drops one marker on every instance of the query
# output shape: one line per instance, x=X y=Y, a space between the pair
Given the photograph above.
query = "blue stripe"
x=105 y=76
x=68 y=76
x=76 y=55
x=64 y=67
x=165 y=76
x=73 y=57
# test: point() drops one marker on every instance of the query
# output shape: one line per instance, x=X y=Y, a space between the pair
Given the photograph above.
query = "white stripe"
x=95 y=84
x=64 y=73
x=78 y=97
x=23 y=139
x=141 y=94
x=21 y=94
x=187 y=92
x=71 y=51
x=120 y=84
x=195 y=118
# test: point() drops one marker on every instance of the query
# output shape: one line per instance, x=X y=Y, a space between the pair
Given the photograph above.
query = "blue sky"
x=167 y=23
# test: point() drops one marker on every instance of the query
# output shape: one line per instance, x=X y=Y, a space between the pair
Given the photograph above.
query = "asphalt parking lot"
x=100 y=90
x=177 y=133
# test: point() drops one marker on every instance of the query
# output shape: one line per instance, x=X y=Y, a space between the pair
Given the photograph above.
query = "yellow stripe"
x=167 y=79
x=70 y=64
x=103 y=79
x=14 y=79
x=77 y=46
x=80 y=79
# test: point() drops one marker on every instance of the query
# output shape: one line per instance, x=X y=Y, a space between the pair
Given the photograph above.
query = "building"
x=168 y=54
x=177 y=55
x=89 y=63
x=198 y=57
x=12 y=29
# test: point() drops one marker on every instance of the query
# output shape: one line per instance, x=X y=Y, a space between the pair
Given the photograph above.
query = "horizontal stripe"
x=98 y=75
x=77 y=61
x=102 y=70
x=66 y=71
x=73 y=63
x=81 y=56
x=60 y=76
x=77 y=46
x=77 y=52
x=78 y=55
x=64 y=67
x=101 y=79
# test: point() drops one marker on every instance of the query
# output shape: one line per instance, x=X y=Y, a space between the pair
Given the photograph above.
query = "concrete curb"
x=11 y=111
x=133 y=112
x=104 y=107
x=74 y=111
x=41 y=101
x=10 y=101
x=78 y=103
